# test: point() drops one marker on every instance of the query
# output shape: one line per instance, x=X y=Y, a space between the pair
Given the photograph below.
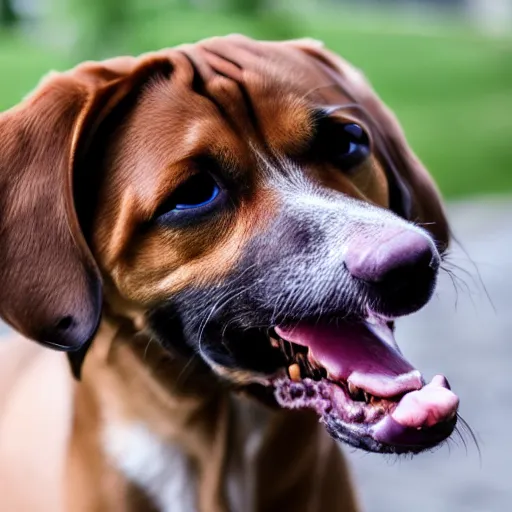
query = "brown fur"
x=145 y=131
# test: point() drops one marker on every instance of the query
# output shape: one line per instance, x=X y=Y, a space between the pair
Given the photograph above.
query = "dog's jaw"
x=365 y=391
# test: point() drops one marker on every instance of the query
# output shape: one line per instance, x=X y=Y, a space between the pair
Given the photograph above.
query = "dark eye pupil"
x=354 y=130
x=196 y=196
x=196 y=191
x=352 y=138
x=345 y=145
x=350 y=146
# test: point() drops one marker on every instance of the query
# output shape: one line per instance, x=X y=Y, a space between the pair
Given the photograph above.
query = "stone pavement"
x=469 y=340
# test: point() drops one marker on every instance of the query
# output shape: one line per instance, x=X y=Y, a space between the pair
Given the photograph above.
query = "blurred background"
x=445 y=68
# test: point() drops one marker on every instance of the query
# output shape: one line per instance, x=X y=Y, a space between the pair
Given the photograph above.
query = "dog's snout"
x=400 y=269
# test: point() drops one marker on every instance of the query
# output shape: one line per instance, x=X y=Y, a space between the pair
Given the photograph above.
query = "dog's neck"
x=166 y=434
x=156 y=420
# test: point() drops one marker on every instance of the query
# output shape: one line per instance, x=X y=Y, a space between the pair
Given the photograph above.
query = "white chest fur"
x=157 y=467
x=249 y=423
x=163 y=471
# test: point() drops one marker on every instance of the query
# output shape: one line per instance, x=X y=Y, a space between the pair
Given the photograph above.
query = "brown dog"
x=199 y=227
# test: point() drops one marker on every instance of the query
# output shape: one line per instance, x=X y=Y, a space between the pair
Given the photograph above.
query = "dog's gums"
x=354 y=376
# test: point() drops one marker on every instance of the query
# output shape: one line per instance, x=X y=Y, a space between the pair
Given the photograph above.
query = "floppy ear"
x=50 y=285
x=413 y=193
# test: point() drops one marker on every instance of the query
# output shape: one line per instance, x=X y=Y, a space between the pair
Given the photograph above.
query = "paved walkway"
x=470 y=341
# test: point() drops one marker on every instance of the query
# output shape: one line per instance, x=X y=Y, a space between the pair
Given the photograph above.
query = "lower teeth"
x=300 y=366
x=294 y=372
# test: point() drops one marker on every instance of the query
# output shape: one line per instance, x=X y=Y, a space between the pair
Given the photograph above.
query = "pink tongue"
x=364 y=354
x=427 y=407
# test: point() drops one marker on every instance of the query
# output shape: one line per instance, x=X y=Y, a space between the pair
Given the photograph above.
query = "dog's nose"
x=395 y=258
x=399 y=267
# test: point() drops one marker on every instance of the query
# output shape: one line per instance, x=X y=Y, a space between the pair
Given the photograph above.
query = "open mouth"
x=364 y=390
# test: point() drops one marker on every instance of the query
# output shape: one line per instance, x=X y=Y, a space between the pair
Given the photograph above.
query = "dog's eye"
x=200 y=190
x=200 y=194
x=351 y=146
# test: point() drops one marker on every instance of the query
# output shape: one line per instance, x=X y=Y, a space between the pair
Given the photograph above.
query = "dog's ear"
x=413 y=193
x=50 y=285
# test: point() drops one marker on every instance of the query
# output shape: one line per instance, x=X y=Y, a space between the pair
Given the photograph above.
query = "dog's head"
x=256 y=202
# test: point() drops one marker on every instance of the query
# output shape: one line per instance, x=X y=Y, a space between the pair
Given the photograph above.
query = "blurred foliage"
x=451 y=88
x=7 y=13
x=100 y=25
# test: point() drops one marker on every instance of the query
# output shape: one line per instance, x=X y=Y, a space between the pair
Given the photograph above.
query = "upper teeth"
x=358 y=394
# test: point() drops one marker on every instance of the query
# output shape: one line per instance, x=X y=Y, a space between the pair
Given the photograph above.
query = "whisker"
x=188 y=367
x=466 y=429
x=147 y=347
x=477 y=271
x=202 y=325
x=216 y=308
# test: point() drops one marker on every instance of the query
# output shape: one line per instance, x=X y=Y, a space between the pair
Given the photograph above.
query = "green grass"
x=451 y=88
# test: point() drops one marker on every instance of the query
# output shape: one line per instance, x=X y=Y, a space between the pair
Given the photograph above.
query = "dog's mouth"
x=365 y=392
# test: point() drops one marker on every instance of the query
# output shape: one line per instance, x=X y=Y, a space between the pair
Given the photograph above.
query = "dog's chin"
x=362 y=388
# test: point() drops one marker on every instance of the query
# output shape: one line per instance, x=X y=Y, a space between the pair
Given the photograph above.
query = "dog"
x=220 y=236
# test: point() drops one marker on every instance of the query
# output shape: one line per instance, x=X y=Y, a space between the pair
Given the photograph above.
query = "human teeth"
x=294 y=372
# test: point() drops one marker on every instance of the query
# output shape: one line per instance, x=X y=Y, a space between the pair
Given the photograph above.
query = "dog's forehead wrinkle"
x=242 y=96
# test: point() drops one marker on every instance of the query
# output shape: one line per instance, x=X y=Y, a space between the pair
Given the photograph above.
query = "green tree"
x=100 y=23
x=8 y=16
x=245 y=6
